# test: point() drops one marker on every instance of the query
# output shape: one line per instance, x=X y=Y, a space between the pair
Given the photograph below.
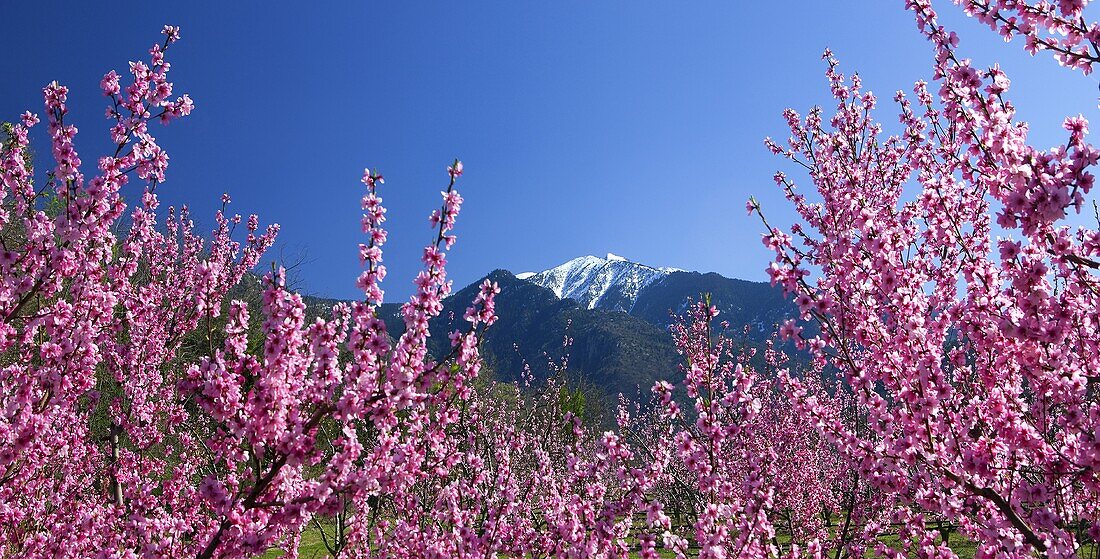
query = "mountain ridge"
x=610 y=283
x=659 y=294
x=615 y=338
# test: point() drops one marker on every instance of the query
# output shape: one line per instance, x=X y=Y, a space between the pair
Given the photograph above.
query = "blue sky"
x=586 y=127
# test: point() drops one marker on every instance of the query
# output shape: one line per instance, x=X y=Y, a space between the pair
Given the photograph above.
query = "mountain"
x=613 y=351
x=609 y=351
x=752 y=304
x=608 y=317
x=657 y=295
x=611 y=283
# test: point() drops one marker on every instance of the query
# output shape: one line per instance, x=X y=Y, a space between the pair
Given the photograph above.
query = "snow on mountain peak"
x=524 y=275
x=611 y=283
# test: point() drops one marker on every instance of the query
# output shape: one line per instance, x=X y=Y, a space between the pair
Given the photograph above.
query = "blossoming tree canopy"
x=1057 y=27
x=946 y=311
x=110 y=440
x=971 y=354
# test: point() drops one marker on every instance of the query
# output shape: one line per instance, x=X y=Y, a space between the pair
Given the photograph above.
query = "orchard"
x=936 y=395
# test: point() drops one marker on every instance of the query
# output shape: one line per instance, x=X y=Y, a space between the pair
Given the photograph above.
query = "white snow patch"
x=610 y=283
x=524 y=275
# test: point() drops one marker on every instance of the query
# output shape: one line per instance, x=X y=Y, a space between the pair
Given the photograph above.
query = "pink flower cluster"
x=971 y=357
x=738 y=467
x=1059 y=27
x=948 y=313
x=139 y=422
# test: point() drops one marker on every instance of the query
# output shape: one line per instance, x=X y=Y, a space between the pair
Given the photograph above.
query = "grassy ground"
x=313 y=548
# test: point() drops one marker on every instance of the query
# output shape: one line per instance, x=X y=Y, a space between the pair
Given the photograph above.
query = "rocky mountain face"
x=607 y=318
x=657 y=295
x=610 y=350
x=611 y=283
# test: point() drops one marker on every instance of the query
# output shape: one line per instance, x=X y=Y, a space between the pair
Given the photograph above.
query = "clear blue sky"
x=586 y=127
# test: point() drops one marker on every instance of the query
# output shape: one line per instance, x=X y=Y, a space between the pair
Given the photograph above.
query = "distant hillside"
x=656 y=294
x=618 y=327
x=755 y=304
x=612 y=350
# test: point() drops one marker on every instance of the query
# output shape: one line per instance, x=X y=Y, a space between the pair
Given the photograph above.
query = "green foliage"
x=573 y=401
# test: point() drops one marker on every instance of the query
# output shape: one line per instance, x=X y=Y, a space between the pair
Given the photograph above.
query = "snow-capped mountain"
x=616 y=312
x=611 y=283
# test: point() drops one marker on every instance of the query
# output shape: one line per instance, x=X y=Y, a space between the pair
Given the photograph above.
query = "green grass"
x=312 y=546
